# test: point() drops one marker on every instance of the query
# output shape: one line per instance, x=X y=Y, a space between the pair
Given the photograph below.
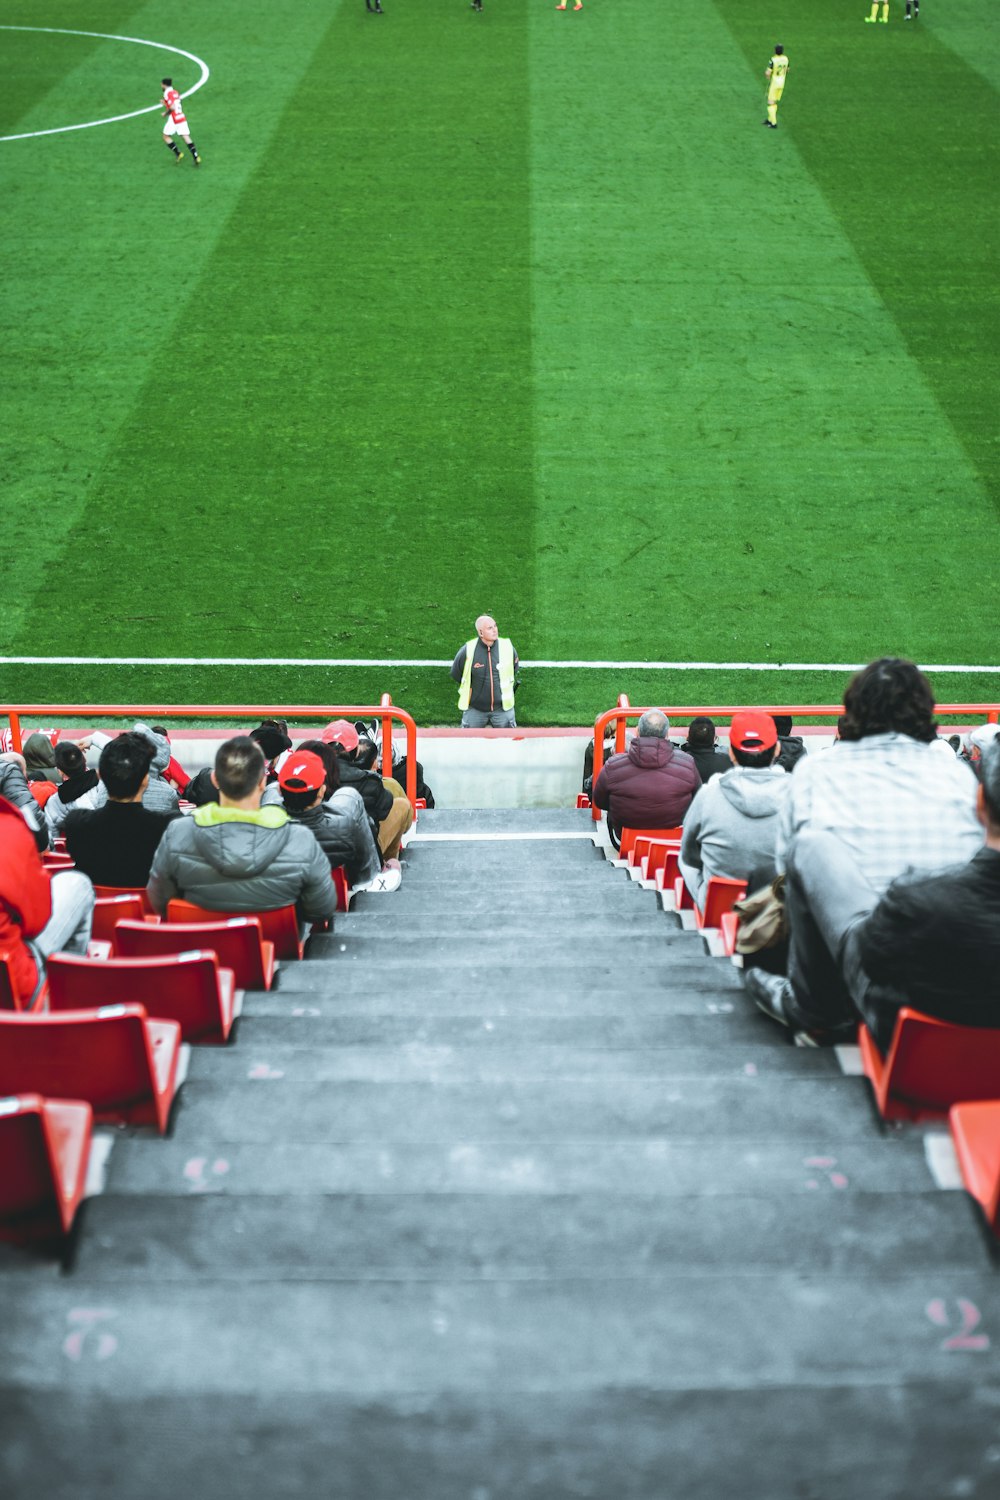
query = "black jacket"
x=933 y=943
x=374 y=792
x=708 y=759
x=115 y=843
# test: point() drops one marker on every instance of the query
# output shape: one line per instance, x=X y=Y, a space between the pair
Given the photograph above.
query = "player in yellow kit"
x=870 y=20
x=777 y=68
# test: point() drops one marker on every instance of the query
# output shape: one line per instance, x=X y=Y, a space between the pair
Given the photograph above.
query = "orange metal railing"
x=385 y=711
x=624 y=711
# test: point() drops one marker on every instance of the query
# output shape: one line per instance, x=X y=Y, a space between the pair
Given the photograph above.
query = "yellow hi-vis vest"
x=506 y=673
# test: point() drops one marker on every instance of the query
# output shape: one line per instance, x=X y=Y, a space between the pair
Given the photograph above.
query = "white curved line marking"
x=108 y=37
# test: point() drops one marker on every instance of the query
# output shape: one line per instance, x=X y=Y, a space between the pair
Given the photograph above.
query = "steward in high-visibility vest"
x=485 y=670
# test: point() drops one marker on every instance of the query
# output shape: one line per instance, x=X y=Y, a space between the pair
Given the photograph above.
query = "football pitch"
x=520 y=312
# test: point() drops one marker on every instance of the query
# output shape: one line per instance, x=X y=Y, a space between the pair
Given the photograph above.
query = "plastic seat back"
x=236 y=940
x=975 y=1129
x=721 y=894
x=280 y=926
x=112 y=910
x=931 y=1066
x=343 y=889
x=44 y=1147
x=55 y=862
x=188 y=988
x=655 y=856
x=629 y=836
x=122 y=1064
x=107 y=892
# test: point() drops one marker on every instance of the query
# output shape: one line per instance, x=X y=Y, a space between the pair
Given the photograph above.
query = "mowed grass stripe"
x=106 y=237
x=728 y=421
x=35 y=94
x=347 y=448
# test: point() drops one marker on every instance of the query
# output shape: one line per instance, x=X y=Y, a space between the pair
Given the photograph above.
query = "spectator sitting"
x=159 y=795
x=732 y=824
x=40 y=914
x=977 y=742
x=792 y=746
x=272 y=737
x=40 y=759
x=77 y=790
x=238 y=856
x=384 y=799
x=114 y=842
x=174 y=772
x=15 y=789
x=702 y=746
x=931 y=942
x=649 y=785
x=311 y=793
x=894 y=804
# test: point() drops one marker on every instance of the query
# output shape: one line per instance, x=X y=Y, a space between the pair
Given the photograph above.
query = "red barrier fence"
x=624 y=711
x=385 y=711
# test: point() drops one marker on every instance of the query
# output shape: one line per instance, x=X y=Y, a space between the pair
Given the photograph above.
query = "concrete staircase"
x=504 y=1193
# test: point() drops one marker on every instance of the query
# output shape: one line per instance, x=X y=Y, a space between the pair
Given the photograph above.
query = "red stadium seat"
x=655 y=856
x=125 y=1066
x=280 y=926
x=931 y=1066
x=189 y=988
x=721 y=893
x=668 y=872
x=107 y=892
x=975 y=1129
x=10 y=996
x=339 y=875
x=236 y=940
x=629 y=836
x=683 y=899
x=112 y=910
x=55 y=862
x=728 y=926
x=582 y=800
x=45 y=1148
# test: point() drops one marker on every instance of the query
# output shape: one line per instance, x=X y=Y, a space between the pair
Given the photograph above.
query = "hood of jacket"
x=39 y=755
x=237 y=843
x=160 y=744
x=755 y=793
x=650 y=753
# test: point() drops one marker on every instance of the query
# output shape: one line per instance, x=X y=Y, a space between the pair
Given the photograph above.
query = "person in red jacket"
x=39 y=913
x=650 y=785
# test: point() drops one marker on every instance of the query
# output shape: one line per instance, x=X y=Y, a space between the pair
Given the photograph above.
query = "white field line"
x=105 y=36
x=420 y=661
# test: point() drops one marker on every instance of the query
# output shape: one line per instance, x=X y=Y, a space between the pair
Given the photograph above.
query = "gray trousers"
x=827 y=899
x=496 y=718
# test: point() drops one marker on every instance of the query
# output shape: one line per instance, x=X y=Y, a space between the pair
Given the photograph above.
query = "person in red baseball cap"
x=732 y=825
x=309 y=781
x=384 y=798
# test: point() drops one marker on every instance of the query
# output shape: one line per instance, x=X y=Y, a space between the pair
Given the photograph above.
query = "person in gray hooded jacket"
x=732 y=824
x=159 y=796
x=234 y=855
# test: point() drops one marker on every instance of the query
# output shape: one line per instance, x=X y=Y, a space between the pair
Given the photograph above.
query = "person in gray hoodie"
x=235 y=855
x=732 y=824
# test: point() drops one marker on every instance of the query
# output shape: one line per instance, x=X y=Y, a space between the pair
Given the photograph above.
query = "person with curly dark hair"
x=894 y=803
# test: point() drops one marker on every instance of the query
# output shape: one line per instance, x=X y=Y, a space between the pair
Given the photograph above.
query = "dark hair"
x=331 y=760
x=889 y=696
x=124 y=762
x=778 y=49
x=297 y=802
x=783 y=724
x=755 y=760
x=272 y=737
x=169 y=81
x=70 y=758
x=159 y=729
x=989 y=770
x=239 y=767
x=701 y=732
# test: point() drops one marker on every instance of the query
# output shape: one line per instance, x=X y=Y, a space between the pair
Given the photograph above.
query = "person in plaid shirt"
x=883 y=802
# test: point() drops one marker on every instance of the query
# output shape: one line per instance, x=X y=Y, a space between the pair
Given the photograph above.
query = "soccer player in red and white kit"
x=176 y=122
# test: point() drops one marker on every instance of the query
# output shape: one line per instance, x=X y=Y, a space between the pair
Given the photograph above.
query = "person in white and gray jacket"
x=732 y=825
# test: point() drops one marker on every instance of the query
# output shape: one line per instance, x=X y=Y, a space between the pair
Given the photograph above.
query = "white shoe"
x=389 y=878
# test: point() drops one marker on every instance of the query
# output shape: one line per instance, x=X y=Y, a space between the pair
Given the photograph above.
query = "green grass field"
x=520 y=312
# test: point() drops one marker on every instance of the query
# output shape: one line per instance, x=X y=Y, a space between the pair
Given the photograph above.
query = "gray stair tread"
x=817 y=1110
x=689 y=1330
x=474 y=980
x=371 y=1237
x=282 y=1017
x=675 y=1167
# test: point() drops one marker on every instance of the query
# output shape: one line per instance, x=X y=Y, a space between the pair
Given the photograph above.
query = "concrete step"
x=271 y=1018
x=461 y=949
x=679 y=1167
x=472 y=1236
x=411 y=984
x=817 y=1112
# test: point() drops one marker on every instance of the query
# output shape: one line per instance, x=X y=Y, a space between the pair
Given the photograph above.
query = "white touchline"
x=105 y=36
x=421 y=661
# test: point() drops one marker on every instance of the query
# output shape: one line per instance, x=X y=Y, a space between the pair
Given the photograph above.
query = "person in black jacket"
x=385 y=800
x=115 y=844
x=792 y=746
x=702 y=746
x=932 y=942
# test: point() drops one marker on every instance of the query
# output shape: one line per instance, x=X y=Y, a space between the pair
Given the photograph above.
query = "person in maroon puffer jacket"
x=652 y=784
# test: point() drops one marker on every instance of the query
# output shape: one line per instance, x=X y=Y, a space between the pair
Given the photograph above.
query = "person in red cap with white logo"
x=384 y=799
x=732 y=824
x=309 y=782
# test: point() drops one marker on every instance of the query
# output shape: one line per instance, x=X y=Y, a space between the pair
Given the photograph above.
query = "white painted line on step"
x=850 y=1061
x=492 y=838
x=97 y=1164
x=942 y=1161
x=423 y=661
